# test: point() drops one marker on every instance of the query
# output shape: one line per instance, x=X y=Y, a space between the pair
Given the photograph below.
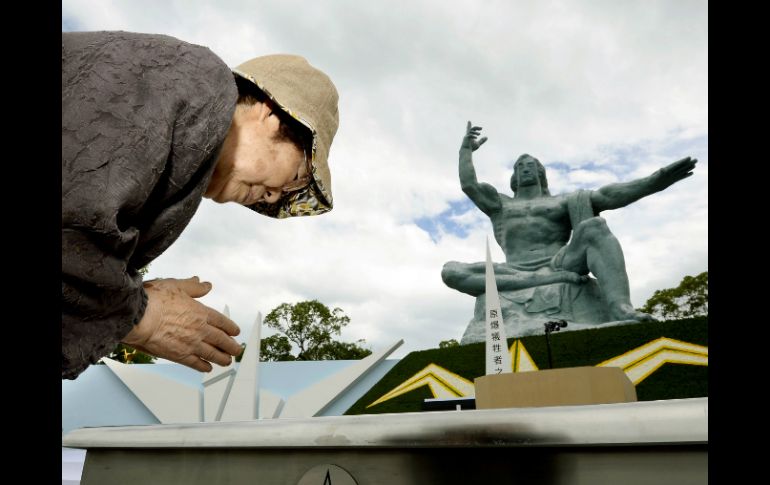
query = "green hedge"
x=569 y=349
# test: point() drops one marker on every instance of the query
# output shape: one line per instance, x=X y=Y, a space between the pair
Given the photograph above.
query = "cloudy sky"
x=600 y=91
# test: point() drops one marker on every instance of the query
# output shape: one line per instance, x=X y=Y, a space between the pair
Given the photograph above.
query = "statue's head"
x=540 y=173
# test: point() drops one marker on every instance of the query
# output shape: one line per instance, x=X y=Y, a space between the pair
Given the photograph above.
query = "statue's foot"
x=627 y=312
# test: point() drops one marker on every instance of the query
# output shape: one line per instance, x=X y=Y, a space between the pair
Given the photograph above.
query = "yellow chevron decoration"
x=445 y=384
x=642 y=361
x=442 y=384
x=638 y=364
x=521 y=361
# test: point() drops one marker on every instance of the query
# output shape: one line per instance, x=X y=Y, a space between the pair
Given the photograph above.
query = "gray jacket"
x=143 y=120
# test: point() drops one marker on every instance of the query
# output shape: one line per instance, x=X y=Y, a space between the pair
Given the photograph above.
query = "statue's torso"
x=531 y=229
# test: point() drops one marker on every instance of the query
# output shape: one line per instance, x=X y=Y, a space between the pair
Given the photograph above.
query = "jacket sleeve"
x=143 y=117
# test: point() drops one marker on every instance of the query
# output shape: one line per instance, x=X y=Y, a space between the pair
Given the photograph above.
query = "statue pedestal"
x=554 y=387
x=525 y=311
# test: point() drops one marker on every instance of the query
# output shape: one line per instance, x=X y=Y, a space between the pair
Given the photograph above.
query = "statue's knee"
x=593 y=228
x=449 y=272
x=449 y=266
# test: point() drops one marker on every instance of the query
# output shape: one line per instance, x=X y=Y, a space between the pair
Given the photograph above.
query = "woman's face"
x=254 y=163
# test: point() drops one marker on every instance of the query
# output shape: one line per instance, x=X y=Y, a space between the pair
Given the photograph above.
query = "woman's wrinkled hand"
x=177 y=327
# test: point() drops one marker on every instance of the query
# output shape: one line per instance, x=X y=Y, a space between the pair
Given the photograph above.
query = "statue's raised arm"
x=482 y=194
x=618 y=195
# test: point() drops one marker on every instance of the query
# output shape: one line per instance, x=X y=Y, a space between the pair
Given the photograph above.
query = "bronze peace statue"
x=551 y=244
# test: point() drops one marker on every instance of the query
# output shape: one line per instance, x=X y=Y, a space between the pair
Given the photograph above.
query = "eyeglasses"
x=301 y=182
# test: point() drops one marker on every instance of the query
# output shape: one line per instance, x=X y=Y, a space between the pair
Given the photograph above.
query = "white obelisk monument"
x=498 y=357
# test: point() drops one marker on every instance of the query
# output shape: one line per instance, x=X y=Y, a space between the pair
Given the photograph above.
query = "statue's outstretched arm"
x=618 y=195
x=483 y=195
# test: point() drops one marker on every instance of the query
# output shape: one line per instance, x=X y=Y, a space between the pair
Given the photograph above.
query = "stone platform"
x=639 y=443
x=525 y=311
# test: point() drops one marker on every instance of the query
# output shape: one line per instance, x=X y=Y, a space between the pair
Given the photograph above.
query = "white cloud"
x=620 y=85
x=470 y=219
x=591 y=178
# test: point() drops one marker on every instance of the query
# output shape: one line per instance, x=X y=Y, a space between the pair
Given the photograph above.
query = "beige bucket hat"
x=309 y=96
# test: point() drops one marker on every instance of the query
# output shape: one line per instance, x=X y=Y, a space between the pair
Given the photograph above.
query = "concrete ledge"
x=681 y=421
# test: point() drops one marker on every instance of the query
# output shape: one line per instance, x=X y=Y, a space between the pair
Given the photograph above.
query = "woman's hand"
x=177 y=327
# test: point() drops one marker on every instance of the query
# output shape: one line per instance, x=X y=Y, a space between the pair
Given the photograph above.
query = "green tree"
x=335 y=350
x=689 y=299
x=240 y=356
x=275 y=347
x=445 y=344
x=309 y=327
